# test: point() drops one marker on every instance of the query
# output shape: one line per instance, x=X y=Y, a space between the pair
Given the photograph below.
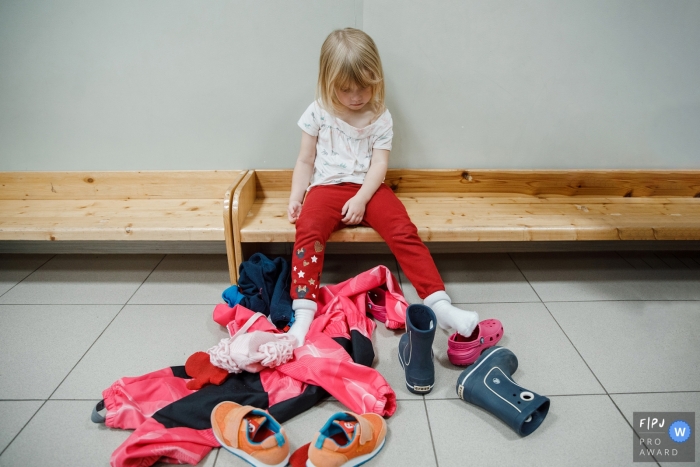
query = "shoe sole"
x=357 y=460
x=460 y=359
x=425 y=389
x=250 y=459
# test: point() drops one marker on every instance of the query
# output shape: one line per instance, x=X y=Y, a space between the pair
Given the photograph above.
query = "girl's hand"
x=293 y=211
x=354 y=211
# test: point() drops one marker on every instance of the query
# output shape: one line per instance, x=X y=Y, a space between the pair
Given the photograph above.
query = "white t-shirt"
x=343 y=152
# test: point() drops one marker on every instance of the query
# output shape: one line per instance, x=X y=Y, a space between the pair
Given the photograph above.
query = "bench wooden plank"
x=431 y=182
x=106 y=206
x=269 y=215
x=525 y=231
x=110 y=207
x=628 y=183
x=136 y=219
x=183 y=184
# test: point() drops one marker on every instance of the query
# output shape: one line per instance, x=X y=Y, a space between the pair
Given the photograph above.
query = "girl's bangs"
x=349 y=75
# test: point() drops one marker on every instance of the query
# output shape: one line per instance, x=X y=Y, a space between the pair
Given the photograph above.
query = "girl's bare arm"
x=303 y=170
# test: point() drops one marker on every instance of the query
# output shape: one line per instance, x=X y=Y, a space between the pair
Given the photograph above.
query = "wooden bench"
x=162 y=206
x=495 y=206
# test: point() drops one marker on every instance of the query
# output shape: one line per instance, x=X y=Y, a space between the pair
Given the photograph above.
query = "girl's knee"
x=400 y=231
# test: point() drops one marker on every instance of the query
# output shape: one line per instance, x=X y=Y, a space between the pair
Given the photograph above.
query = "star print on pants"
x=314 y=259
x=294 y=268
x=301 y=274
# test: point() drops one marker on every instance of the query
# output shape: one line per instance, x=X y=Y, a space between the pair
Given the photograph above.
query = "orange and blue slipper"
x=347 y=440
x=251 y=434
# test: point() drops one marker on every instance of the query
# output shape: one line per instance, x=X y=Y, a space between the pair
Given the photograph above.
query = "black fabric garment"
x=194 y=411
x=264 y=284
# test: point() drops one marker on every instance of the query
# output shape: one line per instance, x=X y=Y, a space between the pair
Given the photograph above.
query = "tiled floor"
x=602 y=334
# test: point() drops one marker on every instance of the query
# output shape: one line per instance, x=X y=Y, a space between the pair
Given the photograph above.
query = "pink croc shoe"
x=464 y=351
x=376 y=303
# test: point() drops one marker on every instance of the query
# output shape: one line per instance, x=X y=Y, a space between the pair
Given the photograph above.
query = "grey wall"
x=542 y=84
x=175 y=84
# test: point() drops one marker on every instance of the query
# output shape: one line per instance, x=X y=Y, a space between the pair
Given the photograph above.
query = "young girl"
x=345 y=144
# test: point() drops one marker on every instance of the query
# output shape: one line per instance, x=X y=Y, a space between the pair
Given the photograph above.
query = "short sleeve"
x=309 y=120
x=385 y=134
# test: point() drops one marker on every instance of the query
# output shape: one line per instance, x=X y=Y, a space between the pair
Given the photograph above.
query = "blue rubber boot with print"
x=416 y=349
x=488 y=383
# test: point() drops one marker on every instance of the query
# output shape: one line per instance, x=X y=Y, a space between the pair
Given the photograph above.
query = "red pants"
x=320 y=217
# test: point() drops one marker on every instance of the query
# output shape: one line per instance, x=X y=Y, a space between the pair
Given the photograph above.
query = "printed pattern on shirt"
x=343 y=152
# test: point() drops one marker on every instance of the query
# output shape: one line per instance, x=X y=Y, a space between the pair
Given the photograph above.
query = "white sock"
x=449 y=316
x=304 y=311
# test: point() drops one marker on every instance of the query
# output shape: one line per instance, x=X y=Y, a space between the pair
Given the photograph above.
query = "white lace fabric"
x=252 y=351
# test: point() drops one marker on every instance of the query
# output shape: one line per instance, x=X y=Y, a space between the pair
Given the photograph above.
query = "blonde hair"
x=349 y=56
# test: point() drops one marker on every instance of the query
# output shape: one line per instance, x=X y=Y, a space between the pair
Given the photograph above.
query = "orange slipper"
x=251 y=434
x=347 y=440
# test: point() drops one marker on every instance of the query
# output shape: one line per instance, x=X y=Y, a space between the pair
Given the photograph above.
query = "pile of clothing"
x=170 y=409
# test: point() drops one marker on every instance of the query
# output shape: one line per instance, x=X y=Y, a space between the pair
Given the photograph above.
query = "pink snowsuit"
x=172 y=423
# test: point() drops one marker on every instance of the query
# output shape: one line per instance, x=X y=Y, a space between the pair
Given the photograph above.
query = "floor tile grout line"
x=631 y=426
x=562 y=330
x=626 y=260
x=620 y=300
x=694 y=260
x=107 y=327
x=578 y=352
x=576 y=349
x=686 y=264
x=593 y=373
x=548 y=395
x=455 y=302
x=81 y=358
x=23 y=427
x=22 y=280
x=652 y=267
x=629 y=300
x=121 y=304
x=430 y=430
x=656 y=253
x=21 y=400
x=524 y=277
x=45 y=400
x=144 y=281
x=653 y=392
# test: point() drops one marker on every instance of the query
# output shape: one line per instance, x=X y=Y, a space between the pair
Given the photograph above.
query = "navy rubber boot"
x=416 y=349
x=488 y=383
